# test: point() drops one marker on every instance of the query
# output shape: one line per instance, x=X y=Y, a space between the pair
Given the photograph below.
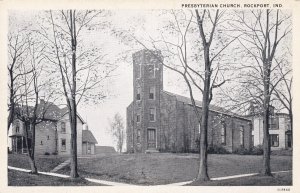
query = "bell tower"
x=147 y=84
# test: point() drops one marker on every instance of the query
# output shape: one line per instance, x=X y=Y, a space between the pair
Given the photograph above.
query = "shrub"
x=54 y=153
x=256 y=150
x=47 y=153
x=217 y=149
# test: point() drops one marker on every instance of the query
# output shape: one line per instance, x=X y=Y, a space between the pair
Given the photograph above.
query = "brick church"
x=160 y=121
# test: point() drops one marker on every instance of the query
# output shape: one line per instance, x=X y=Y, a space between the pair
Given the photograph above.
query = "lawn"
x=17 y=178
x=43 y=163
x=279 y=179
x=160 y=168
x=164 y=168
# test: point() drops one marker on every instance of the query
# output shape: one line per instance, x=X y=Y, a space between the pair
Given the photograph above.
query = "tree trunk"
x=73 y=118
x=203 y=174
x=266 y=113
x=291 y=122
x=11 y=101
x=73 y=113
x=31 y=152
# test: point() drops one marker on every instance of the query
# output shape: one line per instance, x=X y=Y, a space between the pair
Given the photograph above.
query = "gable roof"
x=87 y=136
x=214 y=108
x=65 y=110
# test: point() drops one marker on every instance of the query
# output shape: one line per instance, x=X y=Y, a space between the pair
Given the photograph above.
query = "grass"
x=160 y=168
x=164 y=168
x=279 y=179
x=17 y=178
x=43 y=163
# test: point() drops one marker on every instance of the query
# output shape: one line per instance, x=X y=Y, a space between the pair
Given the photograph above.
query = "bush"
x=47 y=153
x=256 y=150
x=54 y=153
x=217 y=149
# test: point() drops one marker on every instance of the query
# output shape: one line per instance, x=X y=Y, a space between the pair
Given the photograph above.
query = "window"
x=63 y=127
x=138 y=71
x=242 y=135
x=273 y=121
x=152 y=114
x=138 y=93
x=274 y=139
x=223 y=133
x=138 y=136
x=151 y=71
x=41 y=143
x=63 y=144
x=152 y=93
x=18 y=127
x=252 y=140
x=48 y=137
x=138 y=118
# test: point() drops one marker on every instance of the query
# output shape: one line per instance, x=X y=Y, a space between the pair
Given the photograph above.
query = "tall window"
x=252 y=140
x=274 y=139
x=138 y=93
x=223 y=133
x=242 y=135
x=138 y=71
x=63 y=145
x=138 y=118
x=17 y=127
x=63 y=127
x=151 y=71
x=152 y=114
x=138 y=136
x=152 y=93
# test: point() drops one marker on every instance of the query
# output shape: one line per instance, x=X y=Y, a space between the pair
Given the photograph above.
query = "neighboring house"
x=88 y=142
x=52 y=136
x=280 y=129
x=161 y=121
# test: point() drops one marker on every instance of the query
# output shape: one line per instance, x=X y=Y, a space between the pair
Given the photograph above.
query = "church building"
x=160 y=121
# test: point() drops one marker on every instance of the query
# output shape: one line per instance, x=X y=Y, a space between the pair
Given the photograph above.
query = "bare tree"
x=283 y=92
x=80 y=63
x=32 y=85
x=118 y=131
x=197 y=54
x=17 y=52
x=263 y=31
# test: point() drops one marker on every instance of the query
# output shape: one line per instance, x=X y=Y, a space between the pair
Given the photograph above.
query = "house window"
x=41 y=143
x=48 y=138
x=138 y=93
x=223 y=133
x=152 y=114
x=138 y=136
x=63 y=144
x=138 y=71
x=242 y=135
x=252 y=140
x=138 y=118
x=274 y=139
x=152 y=93
x=18 y=127
x=151 y=71
x=63 y=127
x=273 y=122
